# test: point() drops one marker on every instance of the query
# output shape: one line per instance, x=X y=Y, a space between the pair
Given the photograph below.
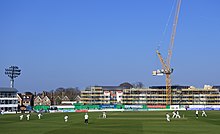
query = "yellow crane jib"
x=166 y=65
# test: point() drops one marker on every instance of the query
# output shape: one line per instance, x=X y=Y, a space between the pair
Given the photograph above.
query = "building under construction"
x=181 y=95
x=156 y=95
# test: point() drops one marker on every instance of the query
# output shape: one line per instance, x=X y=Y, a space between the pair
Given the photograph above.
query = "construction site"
x=156 y=95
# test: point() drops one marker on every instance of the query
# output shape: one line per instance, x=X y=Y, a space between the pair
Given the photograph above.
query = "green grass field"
x=116 y=123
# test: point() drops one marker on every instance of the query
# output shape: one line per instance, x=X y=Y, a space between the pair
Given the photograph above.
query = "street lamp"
x=12 y=72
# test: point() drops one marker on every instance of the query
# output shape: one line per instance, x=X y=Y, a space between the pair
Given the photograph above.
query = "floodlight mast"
x=12 y=72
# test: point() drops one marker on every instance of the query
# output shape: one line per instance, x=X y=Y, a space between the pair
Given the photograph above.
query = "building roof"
x=111 y=88
x=122 y=86
x=218 y=87
x=172 y=87
x=6 y=89
x=28 y=93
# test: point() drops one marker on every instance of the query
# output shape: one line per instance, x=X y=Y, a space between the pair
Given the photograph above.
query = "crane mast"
x=166 y=69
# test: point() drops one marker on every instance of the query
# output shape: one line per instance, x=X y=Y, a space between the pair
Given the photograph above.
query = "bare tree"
x=71 y=93
x=138 y=85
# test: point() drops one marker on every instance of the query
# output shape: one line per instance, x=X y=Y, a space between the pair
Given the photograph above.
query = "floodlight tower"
x=12 y=72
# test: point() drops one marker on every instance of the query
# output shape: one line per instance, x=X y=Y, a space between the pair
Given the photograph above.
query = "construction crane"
x=166 y=69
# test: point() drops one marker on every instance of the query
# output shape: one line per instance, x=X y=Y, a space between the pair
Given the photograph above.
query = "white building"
x=8 y=99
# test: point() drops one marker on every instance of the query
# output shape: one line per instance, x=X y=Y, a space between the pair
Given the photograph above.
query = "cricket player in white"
x=28 y=117
x=21 y=117
x=203 y=113
x=168 y=117
x=104 y=115
x=86 y=119
x=66 y=118
x=2 y=112
x=174 y=114
x=177 y=114
x=197 y=114
x=39 y=116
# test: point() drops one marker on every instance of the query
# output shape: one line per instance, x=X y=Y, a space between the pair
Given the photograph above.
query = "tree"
x=71 y=93
x=138 y=85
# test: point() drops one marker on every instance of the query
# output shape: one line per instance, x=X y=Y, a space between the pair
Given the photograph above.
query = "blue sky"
x=78 y=43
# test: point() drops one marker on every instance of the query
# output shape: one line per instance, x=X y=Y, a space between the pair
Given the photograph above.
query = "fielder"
x=66 y=118
x=104 y=115
x=204 y=114
x=28 y=117
x=21 y=117
x=197 y=114
x=174 y=114
x=168 y=117
x=2 y=112
x=177 y=114
x=86 y=119
x=39 y=116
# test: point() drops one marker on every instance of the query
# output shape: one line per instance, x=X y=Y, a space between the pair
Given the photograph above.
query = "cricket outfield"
x=151 y=122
